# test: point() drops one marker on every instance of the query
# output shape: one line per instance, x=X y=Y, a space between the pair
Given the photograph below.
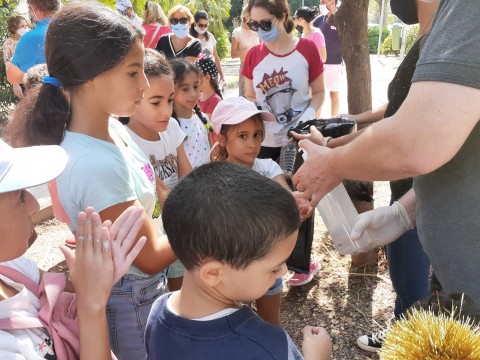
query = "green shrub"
x=386 y=47
x=412 y=33
x=223 y=44
x=7 y=98
x=373 y=38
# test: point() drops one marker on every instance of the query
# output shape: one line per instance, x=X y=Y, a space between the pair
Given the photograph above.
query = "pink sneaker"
x=302 y=279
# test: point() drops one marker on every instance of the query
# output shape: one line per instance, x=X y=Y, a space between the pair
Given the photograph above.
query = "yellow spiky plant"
x=426 y=336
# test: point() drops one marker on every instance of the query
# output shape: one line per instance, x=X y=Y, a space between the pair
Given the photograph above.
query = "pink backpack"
x=58 y=312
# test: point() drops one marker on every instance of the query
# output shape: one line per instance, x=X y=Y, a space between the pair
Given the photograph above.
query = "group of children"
x=232 y=229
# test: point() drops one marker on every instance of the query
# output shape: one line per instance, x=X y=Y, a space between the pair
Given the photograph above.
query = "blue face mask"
x=180 y=31
x=269 y=36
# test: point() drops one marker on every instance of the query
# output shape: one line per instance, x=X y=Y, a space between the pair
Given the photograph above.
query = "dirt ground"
x=348 y=302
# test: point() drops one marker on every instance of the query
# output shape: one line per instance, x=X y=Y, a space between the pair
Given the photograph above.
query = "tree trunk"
x=351 y=20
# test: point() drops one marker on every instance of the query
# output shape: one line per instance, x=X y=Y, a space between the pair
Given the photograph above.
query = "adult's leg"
x=409 y=268
x=334 y=102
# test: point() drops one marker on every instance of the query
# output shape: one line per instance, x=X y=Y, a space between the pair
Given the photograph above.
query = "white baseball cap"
x=122 y=5
x=235 y=110
x=25 y=167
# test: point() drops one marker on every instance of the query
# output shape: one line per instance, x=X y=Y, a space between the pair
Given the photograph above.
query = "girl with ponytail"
x=210 y=90
x=95 y=60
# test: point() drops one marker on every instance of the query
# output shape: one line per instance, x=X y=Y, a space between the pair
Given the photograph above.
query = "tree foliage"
x=7 y=98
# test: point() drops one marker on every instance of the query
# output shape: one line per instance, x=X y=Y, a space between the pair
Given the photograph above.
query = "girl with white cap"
x=240 y=128
x=102 y=249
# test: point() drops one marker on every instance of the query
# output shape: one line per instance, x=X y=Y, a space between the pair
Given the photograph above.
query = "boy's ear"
x=211 y=272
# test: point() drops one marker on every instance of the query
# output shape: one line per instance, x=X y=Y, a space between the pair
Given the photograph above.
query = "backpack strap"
x=24 y=322
x=19 y=277
x=154 y=35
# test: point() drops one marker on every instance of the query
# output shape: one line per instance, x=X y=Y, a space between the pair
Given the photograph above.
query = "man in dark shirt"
x=333 y=64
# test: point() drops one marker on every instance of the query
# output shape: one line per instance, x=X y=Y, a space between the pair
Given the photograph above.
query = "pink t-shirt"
x=282 y=84
x=317 y=37
x=150 y=30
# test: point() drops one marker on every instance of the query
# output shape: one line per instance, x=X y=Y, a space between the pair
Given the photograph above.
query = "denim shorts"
x=276 y=288
x=176 y=270
x=127 y=313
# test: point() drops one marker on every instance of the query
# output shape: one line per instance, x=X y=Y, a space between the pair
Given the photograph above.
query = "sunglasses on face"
x=264 y=25
x=202 y=26
x=175 y=21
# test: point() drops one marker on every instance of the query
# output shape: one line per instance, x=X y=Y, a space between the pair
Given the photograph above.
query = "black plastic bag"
x=333 y=127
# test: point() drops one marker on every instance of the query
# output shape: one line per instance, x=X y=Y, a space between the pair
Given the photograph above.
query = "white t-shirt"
x=282 y=84
x=26 y=344
x=163 y=153
x=102 y=174
x=267 y=167
x=197 y=146
x=208 y=45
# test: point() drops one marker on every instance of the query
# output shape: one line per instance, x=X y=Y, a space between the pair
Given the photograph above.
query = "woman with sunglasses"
x=199 y=30
x=283 y=75
x=180 y=43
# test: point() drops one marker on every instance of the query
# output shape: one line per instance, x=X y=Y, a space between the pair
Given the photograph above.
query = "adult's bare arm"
x=14 y=75
x=424 y=134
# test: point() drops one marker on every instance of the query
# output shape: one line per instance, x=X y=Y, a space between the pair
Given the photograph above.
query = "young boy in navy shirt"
x=233 y=230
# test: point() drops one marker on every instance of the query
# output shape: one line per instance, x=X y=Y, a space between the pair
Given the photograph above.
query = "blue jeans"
x=409 y=271
x=127 y=313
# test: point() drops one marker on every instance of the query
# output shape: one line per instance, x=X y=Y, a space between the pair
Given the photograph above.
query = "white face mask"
x=324 y=10
x=22 y=31
x=200 y=31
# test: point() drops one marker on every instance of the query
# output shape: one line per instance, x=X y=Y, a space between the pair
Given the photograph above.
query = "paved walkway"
x=383 y=70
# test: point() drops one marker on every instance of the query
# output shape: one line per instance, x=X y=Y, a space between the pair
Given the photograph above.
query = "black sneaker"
x=372 y=342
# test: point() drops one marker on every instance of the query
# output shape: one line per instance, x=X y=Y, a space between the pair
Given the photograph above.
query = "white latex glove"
x=309 y=114
x=384 y=225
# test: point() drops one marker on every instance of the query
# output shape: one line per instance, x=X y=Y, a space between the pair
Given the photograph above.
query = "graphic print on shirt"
x=147 y=169
x=166 y=167
x=278 y=90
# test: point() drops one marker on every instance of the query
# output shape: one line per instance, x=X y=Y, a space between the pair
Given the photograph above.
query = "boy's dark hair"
x=228 y=213
x=84 y=39
x=182 y=68
x=45 y=6
x=278 y=8
x=13 y=22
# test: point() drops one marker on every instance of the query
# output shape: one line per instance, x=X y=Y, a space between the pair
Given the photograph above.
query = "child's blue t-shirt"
x=101 y=174
x=240 y=335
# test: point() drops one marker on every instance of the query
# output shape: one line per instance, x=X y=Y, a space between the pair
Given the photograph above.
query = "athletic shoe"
x=302 y=279
x=372 y=342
